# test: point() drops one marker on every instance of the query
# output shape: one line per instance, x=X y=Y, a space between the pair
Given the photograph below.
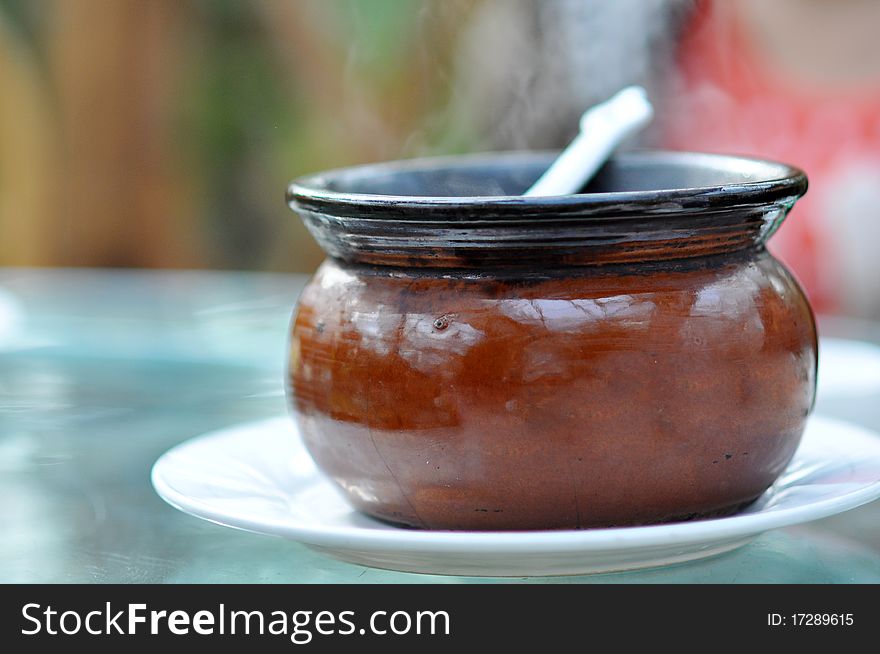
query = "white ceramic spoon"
x=603 y=127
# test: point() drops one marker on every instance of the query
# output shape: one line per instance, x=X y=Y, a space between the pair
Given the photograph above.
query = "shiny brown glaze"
x=501 y=396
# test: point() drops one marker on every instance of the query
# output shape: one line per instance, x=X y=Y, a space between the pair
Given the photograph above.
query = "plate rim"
x=505 y=542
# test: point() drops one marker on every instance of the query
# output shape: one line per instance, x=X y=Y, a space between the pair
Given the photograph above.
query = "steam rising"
x=529 y=68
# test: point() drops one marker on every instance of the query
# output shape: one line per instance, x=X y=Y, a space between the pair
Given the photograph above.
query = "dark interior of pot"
x=512 y=173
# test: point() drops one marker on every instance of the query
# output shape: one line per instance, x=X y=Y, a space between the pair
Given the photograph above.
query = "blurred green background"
x=162 y=133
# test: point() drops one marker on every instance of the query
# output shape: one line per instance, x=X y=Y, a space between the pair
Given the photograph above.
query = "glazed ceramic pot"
x=467 y=358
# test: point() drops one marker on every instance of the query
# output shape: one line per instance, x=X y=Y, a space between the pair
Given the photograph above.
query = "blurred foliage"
x=172 y=127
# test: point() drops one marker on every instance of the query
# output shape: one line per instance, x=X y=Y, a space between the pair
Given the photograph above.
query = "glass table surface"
x=102 y=371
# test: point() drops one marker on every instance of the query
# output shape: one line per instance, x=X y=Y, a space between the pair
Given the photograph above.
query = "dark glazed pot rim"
x=770 y=181
x=467 y=211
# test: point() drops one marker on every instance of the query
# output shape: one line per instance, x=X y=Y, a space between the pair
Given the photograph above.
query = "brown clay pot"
x=469 y=359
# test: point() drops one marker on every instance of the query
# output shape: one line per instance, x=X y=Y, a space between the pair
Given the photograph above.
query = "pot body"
x=579 y=397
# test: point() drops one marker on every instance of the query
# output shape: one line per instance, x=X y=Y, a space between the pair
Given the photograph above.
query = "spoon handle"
x=602 y=128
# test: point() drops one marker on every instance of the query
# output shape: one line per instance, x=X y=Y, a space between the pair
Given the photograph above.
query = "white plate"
x=259 y=477
x=847 y=368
